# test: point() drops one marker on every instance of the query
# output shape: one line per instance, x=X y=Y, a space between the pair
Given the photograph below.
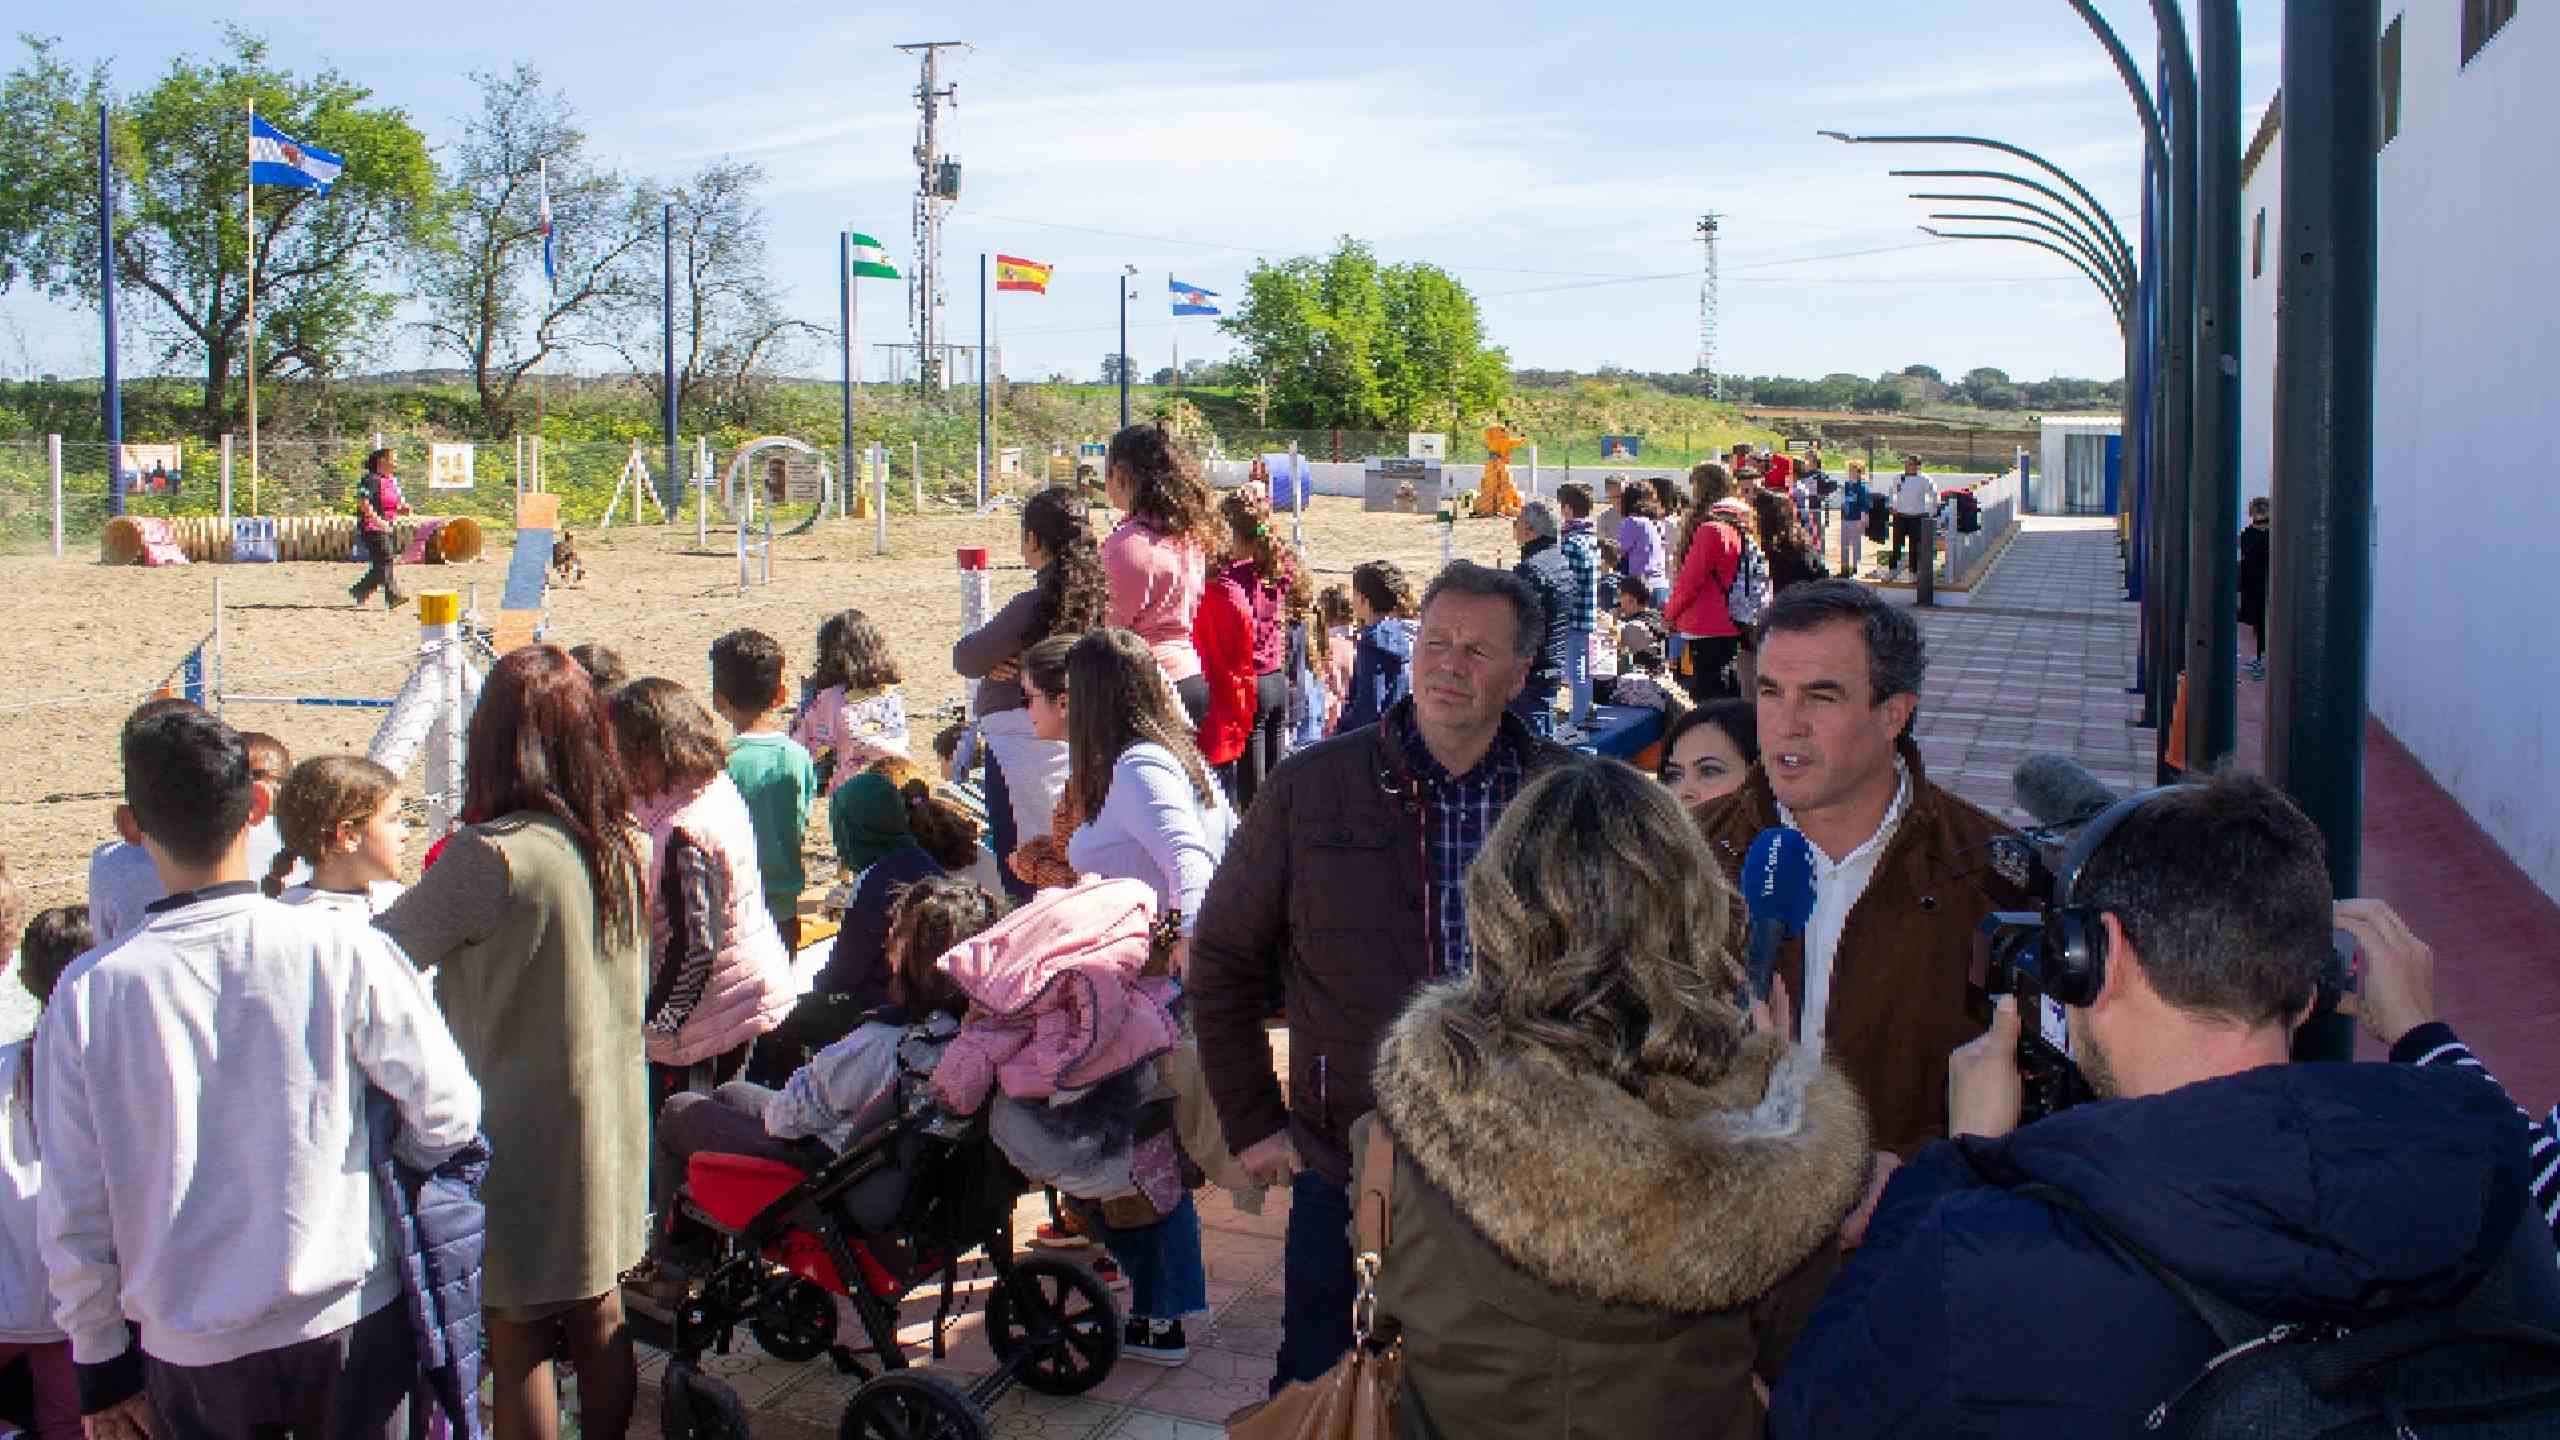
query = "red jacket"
x=1706 y=572
x=1222 y=631
x=1780 y=469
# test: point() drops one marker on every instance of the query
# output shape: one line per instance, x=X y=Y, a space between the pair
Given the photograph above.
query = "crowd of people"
x=1629 y=1193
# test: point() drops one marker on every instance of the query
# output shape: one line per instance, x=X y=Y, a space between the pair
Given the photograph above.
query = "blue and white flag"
x=276 y=158
x=1191 y=299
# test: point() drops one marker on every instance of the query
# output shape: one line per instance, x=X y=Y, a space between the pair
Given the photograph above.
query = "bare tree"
x=731 y=335
x=487 y=299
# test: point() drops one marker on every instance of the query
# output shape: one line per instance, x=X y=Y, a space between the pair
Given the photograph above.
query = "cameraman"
x=2300 y=1193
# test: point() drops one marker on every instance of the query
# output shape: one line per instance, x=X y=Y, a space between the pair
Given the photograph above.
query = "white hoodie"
x=207 y=1162
x=26 y=1311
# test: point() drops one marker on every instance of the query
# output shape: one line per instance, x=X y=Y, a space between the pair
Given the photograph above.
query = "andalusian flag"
x=870 y=262
x=1014 y=273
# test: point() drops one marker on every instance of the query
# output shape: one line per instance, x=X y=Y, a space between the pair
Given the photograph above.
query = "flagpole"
x=249 y=215
x=985 y=395
x=1177 y=337
x=845 y=302
x=112 y=393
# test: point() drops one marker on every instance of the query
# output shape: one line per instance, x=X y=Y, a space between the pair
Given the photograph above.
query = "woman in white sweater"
x=1153 y=815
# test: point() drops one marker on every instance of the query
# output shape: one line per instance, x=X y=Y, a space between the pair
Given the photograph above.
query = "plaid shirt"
x=1457 y=814
x=1582 y=556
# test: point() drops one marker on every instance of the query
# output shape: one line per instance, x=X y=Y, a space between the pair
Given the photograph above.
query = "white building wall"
x=2466 y=657
x=2261 y=196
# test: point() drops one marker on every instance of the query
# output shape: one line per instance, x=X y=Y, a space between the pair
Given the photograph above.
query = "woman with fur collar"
x=1615 y=1197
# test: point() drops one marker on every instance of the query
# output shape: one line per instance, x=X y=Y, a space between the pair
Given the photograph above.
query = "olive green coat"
x=545 y=1006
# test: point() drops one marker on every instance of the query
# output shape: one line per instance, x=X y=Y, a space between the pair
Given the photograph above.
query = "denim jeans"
x=1536 y=707
x=1316 y=1284
x=1167 y=1279
x=1577 y=674
x=1000 y=829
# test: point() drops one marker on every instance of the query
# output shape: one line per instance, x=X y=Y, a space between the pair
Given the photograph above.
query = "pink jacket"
x=1056 y=998
x=750 y=988
x=1155 y=585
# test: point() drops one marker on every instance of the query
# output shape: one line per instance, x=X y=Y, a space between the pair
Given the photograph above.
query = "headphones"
x=2075 y=940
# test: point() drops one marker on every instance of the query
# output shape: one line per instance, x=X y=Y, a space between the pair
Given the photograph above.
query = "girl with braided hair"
x=1274 y=585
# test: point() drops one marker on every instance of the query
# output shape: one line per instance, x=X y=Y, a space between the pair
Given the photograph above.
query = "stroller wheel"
x=912 y=1405
x=1056 y=1323
x=795 y=1322
x=694 y=1406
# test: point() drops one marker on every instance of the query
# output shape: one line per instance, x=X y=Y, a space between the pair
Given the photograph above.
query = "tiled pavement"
x=2039 y=660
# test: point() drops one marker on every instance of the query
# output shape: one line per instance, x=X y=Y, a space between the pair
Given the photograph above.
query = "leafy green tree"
x=1924 y=372
x=1345 y=341
x=486 y=300
x=323 y=262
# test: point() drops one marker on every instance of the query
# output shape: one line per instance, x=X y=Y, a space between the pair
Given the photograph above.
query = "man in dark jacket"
x=1346 y=889
x=1550 y=577
x=2302 y=1194
x=1903 y=869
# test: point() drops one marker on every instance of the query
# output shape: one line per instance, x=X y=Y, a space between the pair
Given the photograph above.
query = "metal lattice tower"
x=1707 y=229
x=937 y=188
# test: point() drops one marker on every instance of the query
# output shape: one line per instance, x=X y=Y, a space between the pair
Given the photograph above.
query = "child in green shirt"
x=769 y=768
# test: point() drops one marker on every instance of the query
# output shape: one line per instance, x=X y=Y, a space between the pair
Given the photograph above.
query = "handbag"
x=1356 y=1399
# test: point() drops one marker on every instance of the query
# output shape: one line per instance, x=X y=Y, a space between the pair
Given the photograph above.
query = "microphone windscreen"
x=2058 y=790
x=1777 y=877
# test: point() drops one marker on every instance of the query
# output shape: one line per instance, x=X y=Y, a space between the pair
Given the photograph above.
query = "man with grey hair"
x=1902 y=869
x=1345 y=891
x=1543 y=566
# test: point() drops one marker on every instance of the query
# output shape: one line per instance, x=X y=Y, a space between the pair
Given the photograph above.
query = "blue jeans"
x=1000 y=836
x=1577 y=674
x=1536 y=707
x=1167 y=1280
x=1316 y=1283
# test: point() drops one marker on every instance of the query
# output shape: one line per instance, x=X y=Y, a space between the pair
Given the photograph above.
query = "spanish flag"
x=1015 y=273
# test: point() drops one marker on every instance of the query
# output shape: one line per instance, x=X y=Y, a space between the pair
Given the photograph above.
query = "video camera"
x=2039 y=955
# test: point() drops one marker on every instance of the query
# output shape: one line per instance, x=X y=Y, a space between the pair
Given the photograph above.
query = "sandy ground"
x=84 y=642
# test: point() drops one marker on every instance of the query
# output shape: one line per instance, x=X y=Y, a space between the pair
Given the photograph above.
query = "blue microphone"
x=1777 y=893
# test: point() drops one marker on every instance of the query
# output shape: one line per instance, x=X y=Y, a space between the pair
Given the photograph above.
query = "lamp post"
x=1127 y=273
x=2100 y=226
x=2115 y=298
x=2052 y=222
x=2057 y=232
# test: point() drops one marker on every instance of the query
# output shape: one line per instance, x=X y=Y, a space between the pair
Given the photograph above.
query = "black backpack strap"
x=2231 y=1325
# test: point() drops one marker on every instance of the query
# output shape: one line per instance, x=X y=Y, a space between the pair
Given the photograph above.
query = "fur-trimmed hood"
x=1692 y=1198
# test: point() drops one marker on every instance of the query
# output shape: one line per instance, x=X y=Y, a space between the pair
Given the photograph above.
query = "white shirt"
x=123 y=881
x=1837 y=884
x=1154 y=827
x=1914 y=495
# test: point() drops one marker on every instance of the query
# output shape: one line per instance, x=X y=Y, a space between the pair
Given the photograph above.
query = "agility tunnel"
x=265 y=539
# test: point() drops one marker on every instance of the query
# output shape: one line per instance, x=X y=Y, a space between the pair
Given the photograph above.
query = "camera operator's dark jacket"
x=2340 y=1193
x=1898 y=978
x=1324 y=889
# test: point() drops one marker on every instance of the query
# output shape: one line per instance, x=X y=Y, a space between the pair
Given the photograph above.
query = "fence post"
x=915 y=473
x=880 y=499
x=226 y=479
x=53 y=471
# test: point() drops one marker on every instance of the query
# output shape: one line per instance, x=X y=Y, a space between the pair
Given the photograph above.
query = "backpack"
x=1853 y=500
x=1748 y=594
x=2471 y=1372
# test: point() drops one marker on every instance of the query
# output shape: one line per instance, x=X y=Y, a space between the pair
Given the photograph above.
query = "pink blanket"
x=1056 y=999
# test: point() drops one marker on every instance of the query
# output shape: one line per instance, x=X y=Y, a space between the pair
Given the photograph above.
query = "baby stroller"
x=772 y=1245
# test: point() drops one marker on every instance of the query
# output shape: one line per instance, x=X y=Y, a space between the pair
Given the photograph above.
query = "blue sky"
x=1542 y=153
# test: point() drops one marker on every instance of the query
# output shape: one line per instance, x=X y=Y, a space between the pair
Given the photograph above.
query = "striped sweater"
x=2434 y=1043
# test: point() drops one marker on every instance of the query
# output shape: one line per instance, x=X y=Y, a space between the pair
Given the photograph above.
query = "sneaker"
x=1154 y=1342
x=1058 y=1237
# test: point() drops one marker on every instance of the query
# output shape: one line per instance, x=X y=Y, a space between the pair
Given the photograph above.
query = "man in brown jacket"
x=1345 y=889
x=1903 y=870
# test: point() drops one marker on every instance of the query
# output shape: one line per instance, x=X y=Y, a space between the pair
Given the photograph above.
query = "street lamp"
x=2120 y=280
x=2100 y=227
x=1127 y=273
x=2114 y=297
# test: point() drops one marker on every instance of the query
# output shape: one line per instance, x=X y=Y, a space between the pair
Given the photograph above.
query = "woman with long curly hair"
x=1794 y=557
x=1601 y=1033
x=1157 y=557
x=1069 y=595
x=535 y=925
x=1273 y=584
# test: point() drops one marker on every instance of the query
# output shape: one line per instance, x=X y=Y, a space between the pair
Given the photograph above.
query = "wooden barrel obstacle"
x=211 y=539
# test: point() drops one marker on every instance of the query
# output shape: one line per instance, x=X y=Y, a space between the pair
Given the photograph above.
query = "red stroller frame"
x=872 y=1225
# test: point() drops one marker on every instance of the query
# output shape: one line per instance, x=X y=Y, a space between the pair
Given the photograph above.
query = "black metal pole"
x=671 y=488
x=1926 y=563
x=2320 y=590
x=2051 y=222
x=2178 y=109
x=2213 y=480
x=111 y=397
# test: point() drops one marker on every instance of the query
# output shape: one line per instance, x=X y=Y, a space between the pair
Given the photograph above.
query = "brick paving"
x=2038 y=660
